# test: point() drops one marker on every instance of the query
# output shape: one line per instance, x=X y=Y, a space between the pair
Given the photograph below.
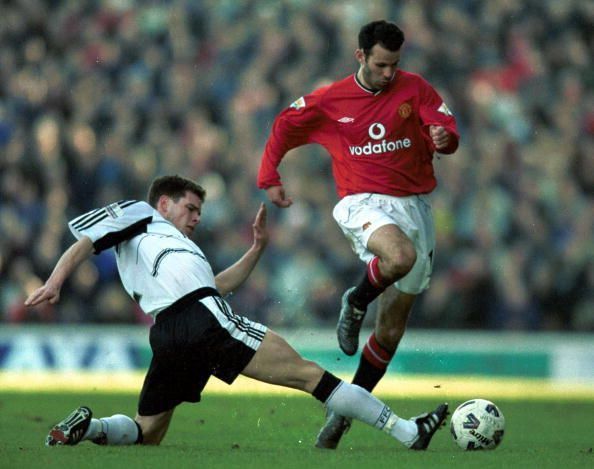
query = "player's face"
x=379 y=67
x=185 y=213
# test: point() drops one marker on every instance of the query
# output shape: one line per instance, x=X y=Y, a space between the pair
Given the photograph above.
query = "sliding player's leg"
x=276 y=362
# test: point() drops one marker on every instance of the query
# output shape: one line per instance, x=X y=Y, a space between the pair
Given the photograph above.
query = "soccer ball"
x=477 y=424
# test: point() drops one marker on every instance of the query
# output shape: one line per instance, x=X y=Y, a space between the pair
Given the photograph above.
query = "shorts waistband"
x=185 y=301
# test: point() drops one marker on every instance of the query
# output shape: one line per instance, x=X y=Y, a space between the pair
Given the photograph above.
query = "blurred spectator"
x=97 y=98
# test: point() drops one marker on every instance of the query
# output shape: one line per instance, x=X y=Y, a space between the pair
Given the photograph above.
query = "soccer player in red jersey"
x=381 y=126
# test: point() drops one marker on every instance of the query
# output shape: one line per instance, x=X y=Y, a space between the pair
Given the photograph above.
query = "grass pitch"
x=276 y=430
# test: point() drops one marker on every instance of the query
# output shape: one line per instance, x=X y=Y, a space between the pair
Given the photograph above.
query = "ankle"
x=95 y=429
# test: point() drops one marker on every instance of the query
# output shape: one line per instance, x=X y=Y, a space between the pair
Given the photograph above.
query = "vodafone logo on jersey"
x=379 y=145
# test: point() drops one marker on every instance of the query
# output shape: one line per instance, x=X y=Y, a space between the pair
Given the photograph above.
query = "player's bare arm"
x=277 y=195
x=68 y=262
x=232 y=277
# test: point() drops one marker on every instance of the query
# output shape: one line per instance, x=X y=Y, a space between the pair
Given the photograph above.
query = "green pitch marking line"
x=405 y=386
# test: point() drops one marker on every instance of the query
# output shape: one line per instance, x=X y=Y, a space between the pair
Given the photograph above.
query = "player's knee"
x=400 y=262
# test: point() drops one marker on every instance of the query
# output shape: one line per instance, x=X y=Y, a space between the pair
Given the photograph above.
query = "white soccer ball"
x=477 y=424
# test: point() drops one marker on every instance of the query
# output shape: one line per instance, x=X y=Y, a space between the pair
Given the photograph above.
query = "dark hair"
x=387 y=35
x=174 y=187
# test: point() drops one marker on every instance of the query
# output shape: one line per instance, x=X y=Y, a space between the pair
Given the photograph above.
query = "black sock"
x=373 y=363
x=364 y=293
x=325 y=387
x=367 y=376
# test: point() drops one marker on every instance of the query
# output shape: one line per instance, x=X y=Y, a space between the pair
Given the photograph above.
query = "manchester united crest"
x=404 y=110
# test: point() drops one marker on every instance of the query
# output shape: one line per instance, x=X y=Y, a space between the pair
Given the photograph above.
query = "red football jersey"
x=379 y=141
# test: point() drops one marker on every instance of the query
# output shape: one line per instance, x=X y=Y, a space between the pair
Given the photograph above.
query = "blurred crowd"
x=99 y=97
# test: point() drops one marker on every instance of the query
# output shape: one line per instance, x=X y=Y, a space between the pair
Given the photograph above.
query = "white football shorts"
x=359 y=215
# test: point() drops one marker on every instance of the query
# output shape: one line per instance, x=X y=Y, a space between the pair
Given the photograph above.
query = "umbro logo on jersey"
x=346 y=120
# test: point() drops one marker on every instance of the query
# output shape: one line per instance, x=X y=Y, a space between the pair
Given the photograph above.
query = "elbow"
x=222 y=287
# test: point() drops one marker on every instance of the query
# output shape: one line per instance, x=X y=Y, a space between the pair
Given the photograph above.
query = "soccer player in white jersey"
x=196 y=334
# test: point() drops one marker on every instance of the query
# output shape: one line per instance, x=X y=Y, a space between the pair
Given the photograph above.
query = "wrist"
x=259 y=246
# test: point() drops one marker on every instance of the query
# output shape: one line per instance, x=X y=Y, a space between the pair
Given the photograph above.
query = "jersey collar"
x=365 y=88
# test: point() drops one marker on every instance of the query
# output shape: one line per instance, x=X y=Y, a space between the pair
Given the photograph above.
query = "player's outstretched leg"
x=352 y=401
x=276 y=362
x=332 y=431
x=427 y=425
x=70 y=430
x=349 y=325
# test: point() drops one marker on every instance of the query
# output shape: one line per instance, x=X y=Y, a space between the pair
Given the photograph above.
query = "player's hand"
x=261 y=235
x=439 y=136
x=277 y=196
x=46 y=292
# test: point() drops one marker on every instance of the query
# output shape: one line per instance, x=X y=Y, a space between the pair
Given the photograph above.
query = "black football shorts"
x=198 y=336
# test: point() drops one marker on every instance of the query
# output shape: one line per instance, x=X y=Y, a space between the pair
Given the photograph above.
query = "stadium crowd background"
x=97 y=98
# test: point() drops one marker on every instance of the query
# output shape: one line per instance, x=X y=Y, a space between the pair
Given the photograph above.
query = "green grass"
x=246 y=431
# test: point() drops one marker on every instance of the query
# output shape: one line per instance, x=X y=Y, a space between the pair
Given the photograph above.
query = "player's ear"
x=163 y=204
x=360 y=56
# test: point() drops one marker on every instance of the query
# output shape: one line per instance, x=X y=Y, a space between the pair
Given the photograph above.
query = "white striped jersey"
x=157 y=263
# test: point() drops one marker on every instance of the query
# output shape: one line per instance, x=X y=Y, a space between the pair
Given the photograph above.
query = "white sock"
x=350 y=400
x=118 y=430
x=405 y=431
x=94 y=430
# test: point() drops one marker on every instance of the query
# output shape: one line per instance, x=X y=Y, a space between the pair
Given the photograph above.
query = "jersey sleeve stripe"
x=98 y=215
x=127 y=203
x=92 y=221
x=83 y=218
